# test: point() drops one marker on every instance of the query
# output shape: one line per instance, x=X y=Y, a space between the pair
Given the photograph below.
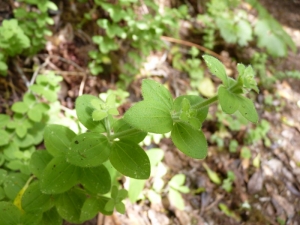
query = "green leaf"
x=3 y=174
x=177 y=181
x=51 y=217
x=21 y=130
x=176 y=199
x=13 y=183
x=32 y=218
x=268 y=38
x=130 y=159
x=193 y=100
x=4 y=119
x=89 y=209
x=4 y=140
x=3 y=68
x=150 y=117
x=154 y=197
x=57 y=139
x=113 y=111
x=50 y=95
x=69 y=205
x=244 y=32
x=2 y=193
x=213 y=176
x=135 y=189
x=216 y=68
x=122 y=194
x=33 y=200
x=228 y=100
x=51 y=5
x=58 y=176
x=155 y=156
x=19 y=107
x=11 y=151
x=37 y=132
x=96 y=180
x=135 y=136
x=93 y=205
x=114 y=192
x=35 y=115
x=24 y=142
x=96 y=103
x=110 y=205
x=84 y=110
x=156 y=92
x=246 y=153
x=89 y=150
x=38 y=162
x=10 y=214
x=99 y=115
x=247 y=109
x=190 y=141
x=120 y=207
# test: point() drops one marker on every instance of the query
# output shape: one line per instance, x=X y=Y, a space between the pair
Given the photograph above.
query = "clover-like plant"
x=73 y=177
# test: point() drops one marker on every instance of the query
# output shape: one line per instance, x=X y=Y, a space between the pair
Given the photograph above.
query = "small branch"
x=36 y=72
x=187 y=43
x=24 y=78
x=68 y=61
x=81 y=87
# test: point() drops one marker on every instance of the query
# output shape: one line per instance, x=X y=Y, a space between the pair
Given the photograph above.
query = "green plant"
x=34 y=20
x=235 y=28
x=13 y=41
x=158 y=187
x=21 y=132
x=26 y=33
x=96 y=158
x=227 y=183
x=125 y=27
x=259 y=133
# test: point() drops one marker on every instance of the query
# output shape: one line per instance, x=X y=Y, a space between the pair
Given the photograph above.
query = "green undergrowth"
x=76 y=175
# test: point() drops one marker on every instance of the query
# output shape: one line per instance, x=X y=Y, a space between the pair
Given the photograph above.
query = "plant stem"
x=205 y=103
x=213 y=99
x=107 y=126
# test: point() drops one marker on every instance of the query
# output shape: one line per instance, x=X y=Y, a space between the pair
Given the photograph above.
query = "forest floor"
x=265 y=194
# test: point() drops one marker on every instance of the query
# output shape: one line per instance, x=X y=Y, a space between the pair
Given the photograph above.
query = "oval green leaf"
x=135 y=135
x=84 y=111
x=19 y=107
x=51 y=217
x=33 y=200
x=189 y=141
x=156 y=92
x=247 y=109
x=92 y=206
x=88 y=150
x=150 y=117
x=58 y=176
x=228 y=100
x=13 y=183
x=10 y=214
x=130 y=159
x=216 y=68
x=69 y=205
x=58 y=139
x=96 y=180
x=38 y=162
